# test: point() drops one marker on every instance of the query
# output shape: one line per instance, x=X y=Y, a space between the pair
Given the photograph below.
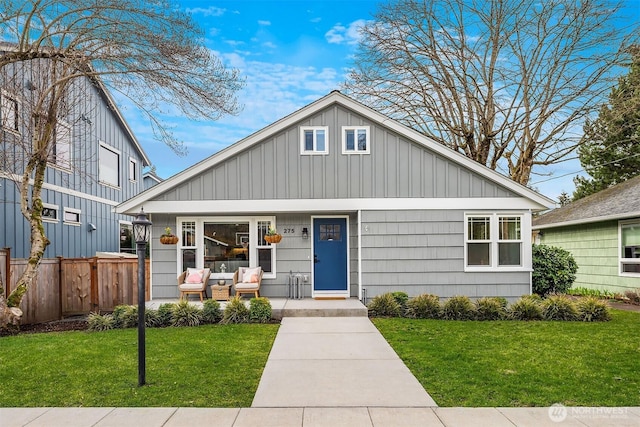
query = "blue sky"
x=291 y=53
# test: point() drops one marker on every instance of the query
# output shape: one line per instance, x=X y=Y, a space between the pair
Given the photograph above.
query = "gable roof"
x=335 y=97
x=617 y=202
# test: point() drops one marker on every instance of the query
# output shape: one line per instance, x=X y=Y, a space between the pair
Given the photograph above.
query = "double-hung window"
x=61 y=155
x=314 y=140
x=493 y=241
x=355 y=140
x=629 y=238
x=109 y=165
x=133 y=170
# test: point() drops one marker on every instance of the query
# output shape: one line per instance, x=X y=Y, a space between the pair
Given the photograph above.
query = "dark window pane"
x=308 y=140
x=509 y=254
x=362 y=140
x=350 y=140
x=320 y=145
x=264 y=259
x=478 y=254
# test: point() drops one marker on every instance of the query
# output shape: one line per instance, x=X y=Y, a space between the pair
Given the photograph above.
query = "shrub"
x=424 y=306
x=125 y=316
x=491 y=308
x=592 y=309
x=211 y=312
x=458 y=308
x=97 y=322
x=384 y=305
x=554 y=270
x=185 y=314
x=600 y=293
x=235 y=311
x=559 y=307
x=152 y=318
x=526 y=308
x=401 y=298
x=633 y=296
x=164 y=314
x=259 y=310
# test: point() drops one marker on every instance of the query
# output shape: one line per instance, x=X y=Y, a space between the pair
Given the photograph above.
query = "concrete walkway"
x=336 y=362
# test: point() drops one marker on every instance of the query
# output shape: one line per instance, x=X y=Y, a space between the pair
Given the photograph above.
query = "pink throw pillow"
x=251 y=275
x=194 y=276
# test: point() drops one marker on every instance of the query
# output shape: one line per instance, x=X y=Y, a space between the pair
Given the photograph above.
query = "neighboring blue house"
x=96 y=164
x=150 y=179
x=363 y=203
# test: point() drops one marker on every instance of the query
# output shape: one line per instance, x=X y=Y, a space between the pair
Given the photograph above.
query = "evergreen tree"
x=610 y=149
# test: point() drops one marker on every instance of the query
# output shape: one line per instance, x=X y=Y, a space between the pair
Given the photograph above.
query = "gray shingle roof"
x=619 y=201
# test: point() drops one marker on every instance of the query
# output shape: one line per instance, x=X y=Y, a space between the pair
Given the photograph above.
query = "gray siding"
x=396 y=168
x=423 y=252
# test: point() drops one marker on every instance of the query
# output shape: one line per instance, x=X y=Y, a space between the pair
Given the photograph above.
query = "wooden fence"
x=72 y=286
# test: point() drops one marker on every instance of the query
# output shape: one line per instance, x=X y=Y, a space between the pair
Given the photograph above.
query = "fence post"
x=61 y=286
x=7 y=262
x=95 y=289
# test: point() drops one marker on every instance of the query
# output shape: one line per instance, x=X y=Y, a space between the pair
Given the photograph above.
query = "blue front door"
x=330 y=256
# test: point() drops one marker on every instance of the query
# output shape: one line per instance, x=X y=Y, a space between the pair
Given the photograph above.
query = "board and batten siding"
x=275 y=169
x=595 y=247
x=421 y=252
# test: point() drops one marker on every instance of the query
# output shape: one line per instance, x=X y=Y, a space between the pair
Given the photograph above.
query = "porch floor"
x=307 y=307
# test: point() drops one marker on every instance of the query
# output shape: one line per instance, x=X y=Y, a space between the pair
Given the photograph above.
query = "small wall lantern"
x=305 y=233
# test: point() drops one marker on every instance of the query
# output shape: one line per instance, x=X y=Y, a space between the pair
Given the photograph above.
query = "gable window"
x=71 y=216
x=314 y=140
x=493 y=241
x=127 y=244
x=133 y=170
x=49 y=212
x=629 y=232
x=224 y=244
x=355 y=140
x=109 y=165
x=9 y=113
x=61 y=149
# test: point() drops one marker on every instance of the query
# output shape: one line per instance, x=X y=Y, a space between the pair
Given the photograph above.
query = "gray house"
x=364 y=205
x=602 y=232
x=96 y=164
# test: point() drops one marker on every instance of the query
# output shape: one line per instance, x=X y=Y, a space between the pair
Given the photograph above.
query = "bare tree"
x=507 y=83
x=148 y=51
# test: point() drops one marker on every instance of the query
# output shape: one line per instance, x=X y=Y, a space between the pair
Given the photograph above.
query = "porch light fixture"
x=305 y=233
x=141 y=234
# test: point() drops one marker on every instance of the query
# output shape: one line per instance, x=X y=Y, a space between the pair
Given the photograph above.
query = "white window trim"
x=52 y=163
x=119 y=153
x=367 y=130
x=621 y=260
x=120 y=223
x=133 y=162
x=5 y=94
x=71 y=210
x=199 y=246
x=526 y=257
x=314 y=152
x=54 y=207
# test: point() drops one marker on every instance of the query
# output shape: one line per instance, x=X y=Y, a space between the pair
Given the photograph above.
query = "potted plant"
x=272 y=236
x=168 y=238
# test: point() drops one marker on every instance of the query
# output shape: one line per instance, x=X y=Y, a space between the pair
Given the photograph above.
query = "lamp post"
x=141 y=234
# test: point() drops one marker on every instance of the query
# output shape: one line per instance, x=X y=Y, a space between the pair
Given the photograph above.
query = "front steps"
x=308 y=307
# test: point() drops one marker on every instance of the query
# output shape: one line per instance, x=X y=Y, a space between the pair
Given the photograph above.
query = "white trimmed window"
x=61 y=150
x=133 y=170
x=50 y=212
x=127 y=244
x=314 y=140
x=493 y=241
x=355 y=140
x=629 y=238
x=109 y=165
x=71 y=216
x=225 y=244
x=9 y=113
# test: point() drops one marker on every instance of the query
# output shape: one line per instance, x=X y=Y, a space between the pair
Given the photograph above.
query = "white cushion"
x=246 y=286
x=251 y=275
x=190 y=286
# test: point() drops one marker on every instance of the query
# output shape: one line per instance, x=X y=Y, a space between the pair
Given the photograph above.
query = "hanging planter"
x=167 y=238
x=272 y=236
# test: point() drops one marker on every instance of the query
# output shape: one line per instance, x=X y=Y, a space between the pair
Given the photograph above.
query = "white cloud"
x=315 y=20
x=234 y=43
x=209 y=11
x=269 y=45
x=340 y=34
x=264 y=23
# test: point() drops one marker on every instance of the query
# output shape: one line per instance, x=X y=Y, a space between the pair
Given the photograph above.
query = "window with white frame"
x=629 y=232
x=493 y=241
x=49 y=212
x=9 y=113
x=314 y=140
x=355 y=140
x=133 y=170
x=109 y=165
x=127 y=243
x=224 y=244
x=61 y=149
x=71 y=216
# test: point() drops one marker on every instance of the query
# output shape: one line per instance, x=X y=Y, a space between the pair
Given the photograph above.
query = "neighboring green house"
x=602 y=231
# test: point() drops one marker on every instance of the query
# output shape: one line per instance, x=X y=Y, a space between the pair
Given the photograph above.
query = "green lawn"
x=515 y=363
x=214 y=366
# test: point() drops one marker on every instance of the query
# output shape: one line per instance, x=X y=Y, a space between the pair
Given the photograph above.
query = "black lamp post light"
x=141 y=234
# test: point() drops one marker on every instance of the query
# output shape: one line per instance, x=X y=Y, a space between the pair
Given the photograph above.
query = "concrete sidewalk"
x=336 y=362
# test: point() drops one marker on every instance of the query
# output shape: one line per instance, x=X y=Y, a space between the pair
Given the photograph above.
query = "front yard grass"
x=518 y=363
x=206 y=366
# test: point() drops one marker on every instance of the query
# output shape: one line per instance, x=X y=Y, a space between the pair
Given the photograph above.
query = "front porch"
x=307 y=307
